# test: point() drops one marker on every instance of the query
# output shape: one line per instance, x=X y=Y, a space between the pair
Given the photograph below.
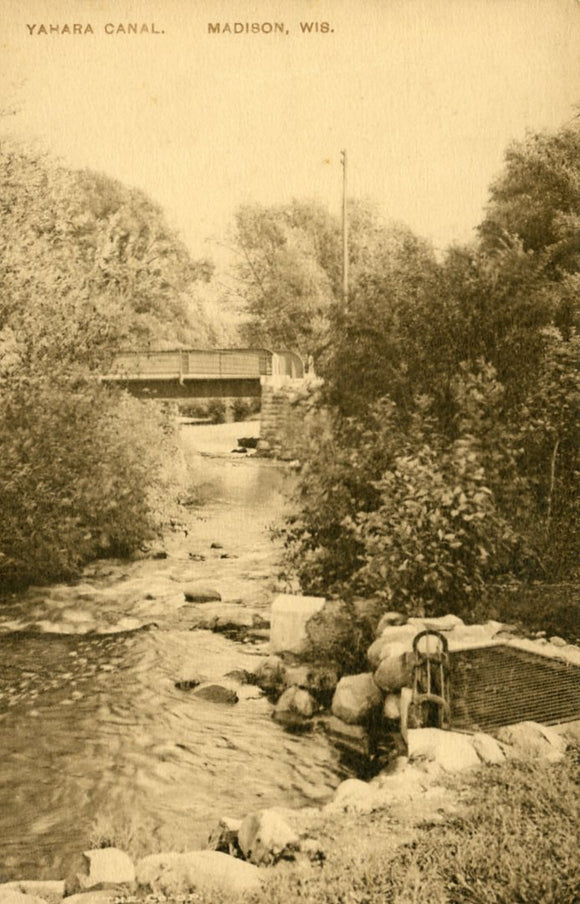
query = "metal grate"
x=500 y=685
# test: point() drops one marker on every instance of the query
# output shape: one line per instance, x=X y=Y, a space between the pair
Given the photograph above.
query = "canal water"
x=96 y=742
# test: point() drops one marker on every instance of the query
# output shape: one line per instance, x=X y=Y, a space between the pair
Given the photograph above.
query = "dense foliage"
x=443 y=455
x=287 y=277
x=81 y=475
x=86 y=266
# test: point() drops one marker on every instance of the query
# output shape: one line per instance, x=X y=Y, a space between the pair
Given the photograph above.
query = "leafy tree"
x=537 y=198
x=373 y=343
x=446 y=459
x=289 y=275
x=85 y=266
x=281 y=277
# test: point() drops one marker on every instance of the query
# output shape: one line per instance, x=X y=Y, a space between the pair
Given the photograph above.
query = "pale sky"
x=424 y=94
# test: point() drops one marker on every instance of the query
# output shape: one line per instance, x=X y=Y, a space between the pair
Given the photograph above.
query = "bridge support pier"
x=285 y=405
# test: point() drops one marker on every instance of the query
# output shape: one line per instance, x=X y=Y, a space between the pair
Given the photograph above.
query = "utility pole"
x=344 y=233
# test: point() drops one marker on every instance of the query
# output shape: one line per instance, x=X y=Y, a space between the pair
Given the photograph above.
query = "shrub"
x=242 y=409
x=216 y=411
x=436 y=535
x=82 y=475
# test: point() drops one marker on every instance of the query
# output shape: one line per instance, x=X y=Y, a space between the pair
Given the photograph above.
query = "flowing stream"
x=95 y=737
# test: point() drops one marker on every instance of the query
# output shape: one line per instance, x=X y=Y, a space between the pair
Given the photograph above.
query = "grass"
x=514 y=842
x=509 y=837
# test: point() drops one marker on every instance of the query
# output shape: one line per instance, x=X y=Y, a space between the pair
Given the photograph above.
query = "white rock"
x=197 y=870
x=392 y=706
x=42 y=888
x=102 y=896
x=100 y=866
x=570 y=653
x=467 y=637
x=450 y=750
x=398 y=637
x=354 y=698
x=295 y=702
x=530 y=739
x=265 y=837
x=487 y=748
x=442 y=623
x=12 y=896
x=406 y=783
x=289 y=620
x=353 y=795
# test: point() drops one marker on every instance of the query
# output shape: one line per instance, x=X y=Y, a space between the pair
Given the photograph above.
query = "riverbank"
x=501 y=832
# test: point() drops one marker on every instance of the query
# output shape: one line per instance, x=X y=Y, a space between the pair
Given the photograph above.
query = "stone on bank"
x=355 y=698
x=295 y=705
x=265 y=837
x=209 y=871
x=101 y=866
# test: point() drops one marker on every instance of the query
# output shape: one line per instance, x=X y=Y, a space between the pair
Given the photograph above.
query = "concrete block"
x=289 y=620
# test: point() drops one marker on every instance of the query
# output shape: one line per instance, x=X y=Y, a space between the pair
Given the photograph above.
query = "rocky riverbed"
x=100 y=721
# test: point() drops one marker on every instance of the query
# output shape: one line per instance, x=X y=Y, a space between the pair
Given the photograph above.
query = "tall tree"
x=537 y=198
x=86 y=264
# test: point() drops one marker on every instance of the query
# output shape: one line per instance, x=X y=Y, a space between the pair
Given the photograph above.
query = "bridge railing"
x=192 y=363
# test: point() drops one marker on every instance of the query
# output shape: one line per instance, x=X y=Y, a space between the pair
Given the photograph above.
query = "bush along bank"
x=455 y=816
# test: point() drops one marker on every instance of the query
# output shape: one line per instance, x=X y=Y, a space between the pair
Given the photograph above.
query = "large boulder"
x=265 y=837
x=12 y=896
x=353 y=795
x=395 y=669
x=289 y=622
x=101 y=866
x=487 y=748
x=295 y=706
x=393 y=638
x=355 y=697
x=209 y=871
x=531 y=740
x=271 y=673
x=450 y=750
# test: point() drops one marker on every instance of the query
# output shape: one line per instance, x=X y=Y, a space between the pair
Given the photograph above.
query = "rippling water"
x=92 y=728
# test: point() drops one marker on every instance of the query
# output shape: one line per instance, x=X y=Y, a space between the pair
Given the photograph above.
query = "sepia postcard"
x=173 y=171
